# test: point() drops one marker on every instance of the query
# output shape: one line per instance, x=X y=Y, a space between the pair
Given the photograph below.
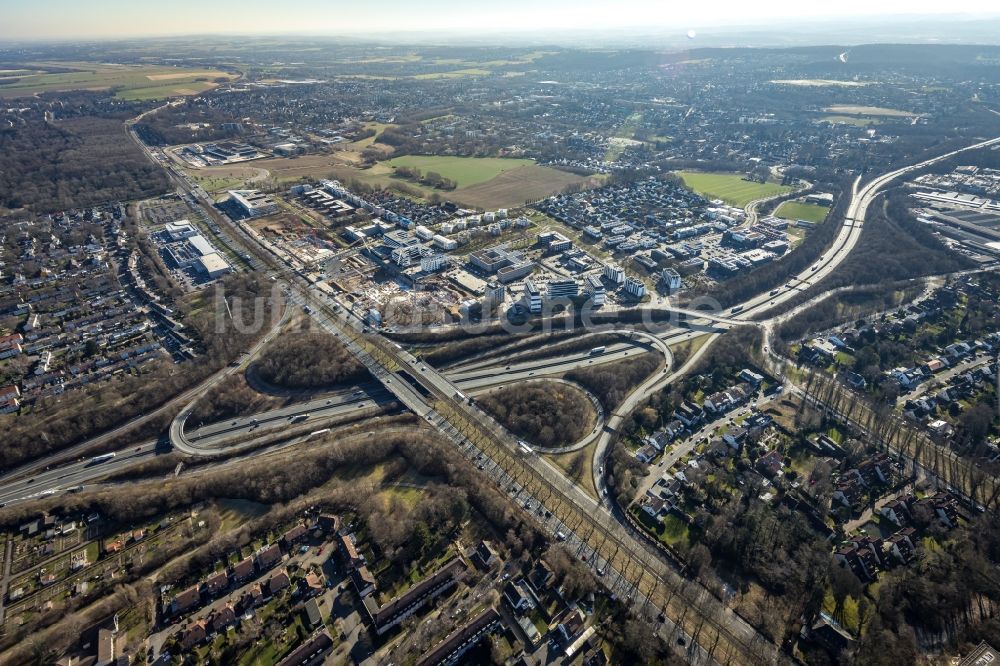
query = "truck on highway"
x=523 y=446
x=299 y=418
x=597 y=350
x=104 y=457
x=738 y=308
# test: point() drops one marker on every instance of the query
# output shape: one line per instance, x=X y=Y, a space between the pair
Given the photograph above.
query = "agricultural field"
x=131 y=81
x=465 y=171
x=822 y=83
x=852 y=120
x=483 y=182
x=797 y=210
x=730 y=187
x=516 y=186
x=852 y=110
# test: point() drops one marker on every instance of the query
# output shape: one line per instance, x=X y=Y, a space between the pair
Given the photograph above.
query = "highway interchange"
x=562 y=508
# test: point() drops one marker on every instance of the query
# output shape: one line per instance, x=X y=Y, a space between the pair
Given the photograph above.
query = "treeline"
x=551 y=415
x=51 y=166
x=847 y=306
x=57 y=422
x=775 y=547
x=431 y=178
x=612 y=382
x=308 y=359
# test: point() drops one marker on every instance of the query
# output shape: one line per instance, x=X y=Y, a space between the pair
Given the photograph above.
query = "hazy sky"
x=85 y=19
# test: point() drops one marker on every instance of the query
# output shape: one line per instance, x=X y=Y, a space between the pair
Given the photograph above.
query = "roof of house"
x=269 y=555
x=243 y=568
x=294 y=533
x=217 y=581
x=187 y=598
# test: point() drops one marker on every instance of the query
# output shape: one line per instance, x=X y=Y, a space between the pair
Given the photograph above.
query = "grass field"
x=483 y=182
x=465 y=171
x=730 y=187
x=578 y=467
x=131 y=81
x=797 y=210
x=850 y=109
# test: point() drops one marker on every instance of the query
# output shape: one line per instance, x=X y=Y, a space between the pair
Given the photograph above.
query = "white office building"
x=493 y=294
x=614 y=273
x=179 y=230
x=532 y=297
x=433 y=263
x=595 y=289
x=253 y=202
x=671 y=279
x=634 y=287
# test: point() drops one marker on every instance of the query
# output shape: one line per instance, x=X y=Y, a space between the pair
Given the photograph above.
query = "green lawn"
x=730 y=187
x=465 y=171
x=797 y=210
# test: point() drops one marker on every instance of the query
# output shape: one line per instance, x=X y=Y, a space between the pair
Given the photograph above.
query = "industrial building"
x=213 y=265
x=179 y=230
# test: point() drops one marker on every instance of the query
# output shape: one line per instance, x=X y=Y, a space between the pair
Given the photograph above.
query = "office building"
x=614 y=273
x=532 y=297
x=563 y=289
x=595 y=289
x=253 y=203
x=634 y=287
x=671 y=279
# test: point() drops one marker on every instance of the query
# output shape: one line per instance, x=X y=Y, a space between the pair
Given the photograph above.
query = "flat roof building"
x=253 y=202
x=213 y=265
x=179 y=230
x=200 y=245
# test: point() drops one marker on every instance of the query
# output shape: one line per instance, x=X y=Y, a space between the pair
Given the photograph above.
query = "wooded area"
x=612 y=382
x=308 y=359
x=550 y=415
x=74 y=163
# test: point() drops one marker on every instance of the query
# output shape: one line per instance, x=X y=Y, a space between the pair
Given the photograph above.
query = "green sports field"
x=465 y=171
x=797 y=210
x=730 y=187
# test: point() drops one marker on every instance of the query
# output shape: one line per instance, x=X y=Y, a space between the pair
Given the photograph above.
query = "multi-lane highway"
x=614 y=550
